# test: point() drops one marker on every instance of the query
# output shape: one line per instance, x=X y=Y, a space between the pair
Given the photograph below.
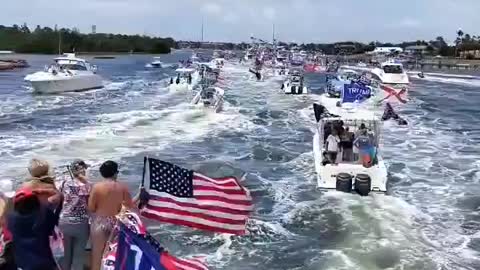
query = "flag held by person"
x=184 y=197
x=137 y=252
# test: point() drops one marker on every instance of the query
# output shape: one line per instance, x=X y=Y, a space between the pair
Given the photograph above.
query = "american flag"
x=184 y=197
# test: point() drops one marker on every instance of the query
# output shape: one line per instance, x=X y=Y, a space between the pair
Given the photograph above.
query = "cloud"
x=227 y=20
x=212 y=8
x=269 y=13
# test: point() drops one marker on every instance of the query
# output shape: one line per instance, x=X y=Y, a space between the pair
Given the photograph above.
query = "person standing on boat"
x=74 y=217
x=346 y=142
x=105 y=202
x=332 y=146
x=42 y=180
x=365 y=146
x=31 y=224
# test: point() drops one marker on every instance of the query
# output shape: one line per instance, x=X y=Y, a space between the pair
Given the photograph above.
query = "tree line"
x=22 y=39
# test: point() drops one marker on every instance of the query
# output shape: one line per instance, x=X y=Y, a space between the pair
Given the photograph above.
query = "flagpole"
x=145 y=159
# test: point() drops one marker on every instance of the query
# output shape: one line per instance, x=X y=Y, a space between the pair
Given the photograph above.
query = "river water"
x=429 y=220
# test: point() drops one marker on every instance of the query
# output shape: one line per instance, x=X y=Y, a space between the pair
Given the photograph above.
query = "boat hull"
x=60 y=84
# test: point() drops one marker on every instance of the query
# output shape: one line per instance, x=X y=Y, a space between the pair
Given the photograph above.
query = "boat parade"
x=134 y=152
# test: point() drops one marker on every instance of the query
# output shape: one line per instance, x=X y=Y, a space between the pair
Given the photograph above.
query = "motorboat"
x=210 y=97
x=186 y=79
x=391 y=72
x=295 y=84
x=67 y=74
x=156 y=63
x=346 y=170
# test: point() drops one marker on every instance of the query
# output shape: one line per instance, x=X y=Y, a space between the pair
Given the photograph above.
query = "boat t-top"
x=295 y=84
x=67 y=74
x=347 y=150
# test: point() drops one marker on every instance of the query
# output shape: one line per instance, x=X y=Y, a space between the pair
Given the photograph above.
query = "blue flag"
x=135 y=253
x=355 y=92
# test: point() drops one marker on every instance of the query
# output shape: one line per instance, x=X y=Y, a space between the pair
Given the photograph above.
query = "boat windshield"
x=73 y=67
x=208 y=94
x=394 y=69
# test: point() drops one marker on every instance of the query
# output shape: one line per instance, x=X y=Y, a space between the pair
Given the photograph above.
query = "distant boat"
x=6 y=52
x=67 y=74
x=156 y=63
x=7 y=64
x=104 y=57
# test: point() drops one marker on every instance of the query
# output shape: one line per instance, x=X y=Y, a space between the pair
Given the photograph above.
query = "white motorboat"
x=344 y=171
x=392 y=73
x=211 y=98
x=156 y=63
x=295 y=84
x=186 y=79
x=67 y=74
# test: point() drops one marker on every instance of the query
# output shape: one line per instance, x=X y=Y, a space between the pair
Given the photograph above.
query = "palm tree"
x=458 y=40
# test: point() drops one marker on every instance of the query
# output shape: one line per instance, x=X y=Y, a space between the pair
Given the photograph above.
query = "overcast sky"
x=237 y=20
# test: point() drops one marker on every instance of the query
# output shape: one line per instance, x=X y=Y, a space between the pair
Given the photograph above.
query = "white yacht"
x=67 y=74
x=346 y=173
x=391 y=72
x=295 y=84
x=156 y=63
x=186 y=79
x=211 y=98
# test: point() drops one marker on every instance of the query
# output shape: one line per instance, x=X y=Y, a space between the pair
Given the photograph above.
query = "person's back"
x=105 y=202
x=31 y=225
x=109 y=198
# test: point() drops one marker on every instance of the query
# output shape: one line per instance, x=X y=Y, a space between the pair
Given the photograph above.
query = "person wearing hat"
x=42 y=180
x=74 y=217
x=31 y=223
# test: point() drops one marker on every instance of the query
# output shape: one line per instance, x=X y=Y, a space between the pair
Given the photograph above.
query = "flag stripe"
x=163 y=202
x=221 y=199
x=207 y=192
x=220 y=181
x=222 y=228
x=204 y=216
x=199 y=182
x=242 y=207
x=189 y=264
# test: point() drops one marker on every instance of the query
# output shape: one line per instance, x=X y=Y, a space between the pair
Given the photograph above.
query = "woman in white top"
x=332 y=146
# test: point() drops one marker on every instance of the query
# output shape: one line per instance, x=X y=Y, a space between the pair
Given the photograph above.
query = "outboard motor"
x=344 y=182
x=363 y=184
x=171 y=80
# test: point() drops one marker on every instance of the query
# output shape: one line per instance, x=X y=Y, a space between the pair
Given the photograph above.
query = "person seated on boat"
x=365 y=146
x=332 y=146
x=31 y=224
x=105 y=202
x=74 y=217
x=325 y=158
x=346 y=144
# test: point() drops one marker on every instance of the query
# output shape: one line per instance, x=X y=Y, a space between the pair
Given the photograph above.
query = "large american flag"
x=184 y=197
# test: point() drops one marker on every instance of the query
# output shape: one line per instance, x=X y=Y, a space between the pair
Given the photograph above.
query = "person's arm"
x=127 y=198
x=92 y=200
x=355 y=143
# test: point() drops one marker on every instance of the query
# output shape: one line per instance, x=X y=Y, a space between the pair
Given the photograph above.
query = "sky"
x=318 y=21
